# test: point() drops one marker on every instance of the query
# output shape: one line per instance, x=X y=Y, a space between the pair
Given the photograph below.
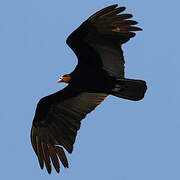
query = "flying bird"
x=100 y=72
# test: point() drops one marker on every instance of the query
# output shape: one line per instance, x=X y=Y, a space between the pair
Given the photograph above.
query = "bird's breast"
x=97 y=81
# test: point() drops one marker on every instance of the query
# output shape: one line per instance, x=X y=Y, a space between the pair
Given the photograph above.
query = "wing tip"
x=102 y=11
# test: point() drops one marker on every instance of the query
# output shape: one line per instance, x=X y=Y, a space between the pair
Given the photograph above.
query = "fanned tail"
x=130 y=89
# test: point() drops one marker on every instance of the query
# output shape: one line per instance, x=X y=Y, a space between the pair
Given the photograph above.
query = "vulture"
x=100 y=72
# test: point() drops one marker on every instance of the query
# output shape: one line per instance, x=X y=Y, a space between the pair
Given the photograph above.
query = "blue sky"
x=121 y=139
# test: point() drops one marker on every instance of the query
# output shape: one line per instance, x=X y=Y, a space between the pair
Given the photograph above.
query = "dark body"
x=88 y=74
x=99 y=73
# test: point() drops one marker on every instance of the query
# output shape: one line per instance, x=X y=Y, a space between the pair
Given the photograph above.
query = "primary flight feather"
x=99 y=73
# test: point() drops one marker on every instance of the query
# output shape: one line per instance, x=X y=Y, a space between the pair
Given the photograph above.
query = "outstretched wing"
x=56 y=122
x=109 y=23
x=101 y=37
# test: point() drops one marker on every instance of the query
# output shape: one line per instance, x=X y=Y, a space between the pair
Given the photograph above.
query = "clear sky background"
x=120 y=140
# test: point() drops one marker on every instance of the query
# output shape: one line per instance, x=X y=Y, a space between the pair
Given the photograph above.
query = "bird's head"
x=65 y=78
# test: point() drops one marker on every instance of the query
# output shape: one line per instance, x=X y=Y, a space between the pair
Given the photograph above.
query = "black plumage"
x=99 y=73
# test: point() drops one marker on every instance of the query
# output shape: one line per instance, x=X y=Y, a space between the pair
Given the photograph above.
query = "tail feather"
x=130 y=89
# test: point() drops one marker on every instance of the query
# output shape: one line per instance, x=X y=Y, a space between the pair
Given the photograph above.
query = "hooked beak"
x=60 y=80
